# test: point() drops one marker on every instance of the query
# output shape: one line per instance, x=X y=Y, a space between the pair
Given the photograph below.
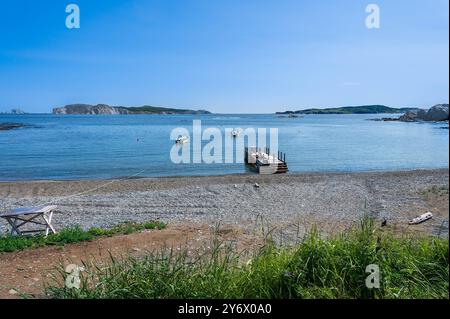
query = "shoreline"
x=225 y=175
x=290 y=203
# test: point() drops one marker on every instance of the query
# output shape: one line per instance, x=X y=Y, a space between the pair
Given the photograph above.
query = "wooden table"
x=21 y=217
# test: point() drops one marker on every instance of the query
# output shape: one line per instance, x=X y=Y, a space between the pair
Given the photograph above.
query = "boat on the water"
x=235 y=133
x=422 y=218
x=182 y=140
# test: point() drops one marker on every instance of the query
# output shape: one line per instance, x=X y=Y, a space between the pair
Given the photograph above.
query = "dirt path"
x=25 y=272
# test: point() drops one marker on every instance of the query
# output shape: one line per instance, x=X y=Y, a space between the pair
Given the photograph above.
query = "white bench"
x=20 y=217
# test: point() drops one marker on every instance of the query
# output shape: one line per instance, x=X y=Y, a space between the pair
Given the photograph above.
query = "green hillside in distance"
x=364 y=109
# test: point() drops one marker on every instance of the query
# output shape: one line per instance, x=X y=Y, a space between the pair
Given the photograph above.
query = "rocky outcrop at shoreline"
x=10 y=126
x=438 y=113
x=13 y=126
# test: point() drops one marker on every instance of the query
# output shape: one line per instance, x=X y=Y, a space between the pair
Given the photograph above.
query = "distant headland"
x=99 y=109
x=364 y=109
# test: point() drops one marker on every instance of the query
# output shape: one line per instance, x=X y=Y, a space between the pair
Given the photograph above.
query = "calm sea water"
x=100 y=147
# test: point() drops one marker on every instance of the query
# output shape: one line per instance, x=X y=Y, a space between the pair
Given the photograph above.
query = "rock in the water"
x=410 y=116
x=389 y=119
x=10 y=126
x=422 y=115
x=437 y=113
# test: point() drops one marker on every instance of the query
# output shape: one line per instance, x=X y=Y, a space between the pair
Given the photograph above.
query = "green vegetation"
x=315 y=268
x=126 y=228
x=365 y=109
x=73 y=235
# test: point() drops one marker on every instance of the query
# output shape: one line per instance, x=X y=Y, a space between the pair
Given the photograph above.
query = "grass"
x=315 y=268
x=73 y=235
x=435 y=190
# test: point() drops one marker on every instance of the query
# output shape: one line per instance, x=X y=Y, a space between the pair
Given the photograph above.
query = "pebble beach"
x=289 y=203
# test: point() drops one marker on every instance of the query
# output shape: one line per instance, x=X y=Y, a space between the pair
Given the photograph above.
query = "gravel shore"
x=290 y=203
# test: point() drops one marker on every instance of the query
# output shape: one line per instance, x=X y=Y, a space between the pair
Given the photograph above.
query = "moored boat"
x=182 y=140
x=235 y=133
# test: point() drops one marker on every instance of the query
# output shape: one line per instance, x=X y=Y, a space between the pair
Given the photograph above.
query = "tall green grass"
x=73 y=235
x=315 y=268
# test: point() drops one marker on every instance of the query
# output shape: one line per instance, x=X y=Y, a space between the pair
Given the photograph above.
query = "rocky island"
x=99 y=109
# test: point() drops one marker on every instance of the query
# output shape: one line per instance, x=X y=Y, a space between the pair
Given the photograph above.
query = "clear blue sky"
x=228 y=56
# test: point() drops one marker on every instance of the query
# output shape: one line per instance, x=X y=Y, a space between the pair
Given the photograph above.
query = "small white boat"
x=182 y=140
x=422 y=218
x=235 y=133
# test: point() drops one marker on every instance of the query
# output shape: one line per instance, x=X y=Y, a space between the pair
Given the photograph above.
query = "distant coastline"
x=14 y=112
x=105 y=109
x=364 y=109
x=100 y=109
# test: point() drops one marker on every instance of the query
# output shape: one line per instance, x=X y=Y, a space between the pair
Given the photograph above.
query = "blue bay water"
x=102 y=147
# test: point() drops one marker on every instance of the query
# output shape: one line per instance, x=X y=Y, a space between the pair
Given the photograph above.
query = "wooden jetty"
x=264 y=162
